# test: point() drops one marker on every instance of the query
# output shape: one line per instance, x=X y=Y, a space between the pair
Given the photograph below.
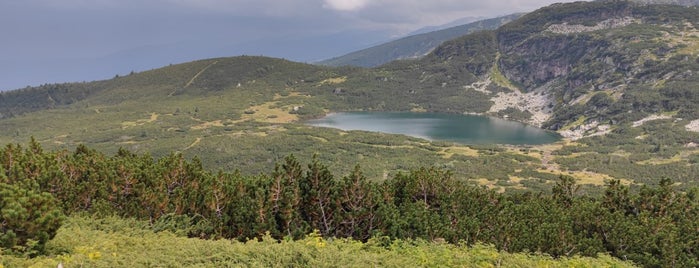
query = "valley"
x=616 y=79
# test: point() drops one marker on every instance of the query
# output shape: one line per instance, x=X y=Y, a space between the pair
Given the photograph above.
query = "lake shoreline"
x=451 y=127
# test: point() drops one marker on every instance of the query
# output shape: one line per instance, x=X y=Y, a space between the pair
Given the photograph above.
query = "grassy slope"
x=200 y=110
x=114 y=242
x=234 y=113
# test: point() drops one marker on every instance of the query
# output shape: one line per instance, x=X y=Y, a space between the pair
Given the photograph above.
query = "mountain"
x=617 y=78
x=413 y=46
x=18 y=71
x=454 y=23
x=669 y=2
x=213 y=148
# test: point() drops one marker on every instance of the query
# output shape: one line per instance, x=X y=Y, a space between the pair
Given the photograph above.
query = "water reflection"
x=467 y=129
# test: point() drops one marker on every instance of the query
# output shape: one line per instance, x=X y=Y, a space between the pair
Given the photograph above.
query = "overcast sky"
x=48 y=41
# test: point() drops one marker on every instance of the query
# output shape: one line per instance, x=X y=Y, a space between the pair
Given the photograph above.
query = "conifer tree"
x=357 y=204
x=317 y=195
x=28 y=219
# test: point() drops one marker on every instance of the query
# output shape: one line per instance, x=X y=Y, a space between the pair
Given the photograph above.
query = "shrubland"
x=85 y=241
x=204 y=150
x=652 y=227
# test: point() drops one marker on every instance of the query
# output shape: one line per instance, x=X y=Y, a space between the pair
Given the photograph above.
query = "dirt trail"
x=199 y=73
x=193 y=144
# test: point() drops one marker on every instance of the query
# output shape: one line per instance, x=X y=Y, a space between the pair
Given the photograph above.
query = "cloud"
x=345 y=5
x=407 y=14
x=399 y=15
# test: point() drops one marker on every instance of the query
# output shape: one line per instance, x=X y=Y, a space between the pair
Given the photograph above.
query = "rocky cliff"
x=599 y=63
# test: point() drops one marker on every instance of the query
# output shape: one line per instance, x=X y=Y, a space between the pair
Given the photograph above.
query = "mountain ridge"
x=413 y=46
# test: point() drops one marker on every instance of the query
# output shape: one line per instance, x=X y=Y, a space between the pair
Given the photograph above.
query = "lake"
x=465 y=129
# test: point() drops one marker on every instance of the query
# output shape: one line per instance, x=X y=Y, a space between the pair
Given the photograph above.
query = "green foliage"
x=110 y=242
x=175 y=195
x=209 y=109
x=626 y=154
x=216 y=108
x=515 y=114
x=28 y=219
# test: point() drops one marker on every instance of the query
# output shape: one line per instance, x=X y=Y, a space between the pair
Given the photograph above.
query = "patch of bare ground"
x=693 y=126
x=591 y=129
x=460 y=150
x=548 y=165
x=491 y=185
x=537 y=102
x=650 y=118
x=206 y=125
x=127 y=124
x=197 y=141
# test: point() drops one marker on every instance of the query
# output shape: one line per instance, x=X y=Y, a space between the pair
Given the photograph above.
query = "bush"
x=28 y=219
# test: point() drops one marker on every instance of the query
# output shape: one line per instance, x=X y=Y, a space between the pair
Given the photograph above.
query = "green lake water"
x=465 y=129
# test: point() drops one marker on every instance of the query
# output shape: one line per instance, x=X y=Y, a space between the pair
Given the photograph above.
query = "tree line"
x=656 y=226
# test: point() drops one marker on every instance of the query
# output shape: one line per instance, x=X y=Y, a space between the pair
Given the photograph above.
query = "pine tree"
x=357 y=204
x=285 y=197
x=317 y=195
x=29 y=219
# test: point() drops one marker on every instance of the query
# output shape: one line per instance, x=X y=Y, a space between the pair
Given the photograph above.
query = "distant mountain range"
x=413 y=46
x=458 y=22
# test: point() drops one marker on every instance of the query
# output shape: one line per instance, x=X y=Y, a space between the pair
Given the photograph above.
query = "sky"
x=53 y=41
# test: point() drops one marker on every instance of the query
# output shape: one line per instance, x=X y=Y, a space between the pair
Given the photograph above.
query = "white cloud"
x=345 y=5
x=385 y=14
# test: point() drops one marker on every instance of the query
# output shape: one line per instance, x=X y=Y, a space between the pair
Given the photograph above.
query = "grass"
x=460 y=150
x=500 y=79
x=266 y=113
x=578 y=122
x=115 y=242
x=140 y=122
x=585 y=177
x=334 y=80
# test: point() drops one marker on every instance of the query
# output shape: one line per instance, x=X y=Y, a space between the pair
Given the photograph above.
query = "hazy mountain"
x=14 y=72
x=413 y=46
x=454 y=23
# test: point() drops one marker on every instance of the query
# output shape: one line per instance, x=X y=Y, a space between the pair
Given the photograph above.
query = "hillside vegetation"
x=616 y=77
x=655 y=227
x=116 y=242
x=214 y=148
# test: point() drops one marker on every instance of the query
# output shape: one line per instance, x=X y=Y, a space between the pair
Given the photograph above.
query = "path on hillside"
x=193 y=78
x=199 y=73
x=197 y=141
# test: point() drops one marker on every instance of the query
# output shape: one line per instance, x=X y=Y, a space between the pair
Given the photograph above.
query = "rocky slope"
x=610 y=62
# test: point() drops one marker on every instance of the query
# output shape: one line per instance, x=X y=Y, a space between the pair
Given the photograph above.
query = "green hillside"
x=212 y=149
x=414 y=46
x=616 y=78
